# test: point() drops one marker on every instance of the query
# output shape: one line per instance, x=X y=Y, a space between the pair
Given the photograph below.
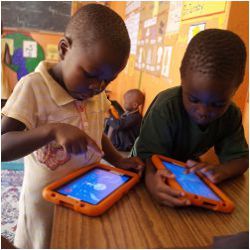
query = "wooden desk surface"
x=137 y=222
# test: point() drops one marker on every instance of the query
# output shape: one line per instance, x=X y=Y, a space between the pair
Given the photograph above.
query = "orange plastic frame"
x=51 y=195
x=225 y=205
x=114 y=112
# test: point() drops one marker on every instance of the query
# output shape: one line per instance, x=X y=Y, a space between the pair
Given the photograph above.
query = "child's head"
x=133 y=99
x=211 y=71
x=93 y=51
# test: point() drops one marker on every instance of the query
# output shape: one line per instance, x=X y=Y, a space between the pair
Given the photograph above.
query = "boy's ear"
x=136 y=105
x=63 y=46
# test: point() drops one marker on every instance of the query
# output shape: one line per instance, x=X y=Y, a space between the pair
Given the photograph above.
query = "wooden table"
x=136 y=221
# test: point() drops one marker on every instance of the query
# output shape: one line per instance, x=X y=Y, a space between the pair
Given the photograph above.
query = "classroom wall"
x=238 y=22
x=234 y=17
x=47 y=40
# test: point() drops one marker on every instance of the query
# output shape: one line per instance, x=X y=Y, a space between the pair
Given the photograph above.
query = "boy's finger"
x=139 y=164
x=191 y=163
x=170 y=191
x=133 y=163
x=209 y=175
x=133 y=168
x=175 y=202
x=139 y=167
x=208 y=171
x=165 y=173
x=195 y=168
x=179 y=202
x=215 y=178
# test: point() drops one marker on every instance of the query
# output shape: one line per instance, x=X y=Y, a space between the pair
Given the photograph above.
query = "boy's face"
x=206 y=99
x=87 y=71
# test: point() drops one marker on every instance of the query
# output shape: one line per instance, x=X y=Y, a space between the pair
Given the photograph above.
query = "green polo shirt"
x=168 y=130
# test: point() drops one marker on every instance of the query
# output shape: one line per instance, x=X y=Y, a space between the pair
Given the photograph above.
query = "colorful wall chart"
x=152 y=28
x=26 y=53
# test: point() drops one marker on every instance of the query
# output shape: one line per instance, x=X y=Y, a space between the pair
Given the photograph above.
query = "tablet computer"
x=197 y=188
x=92 y=189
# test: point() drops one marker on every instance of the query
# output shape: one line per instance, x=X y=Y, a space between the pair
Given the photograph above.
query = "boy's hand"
x=73 y=140
x=164 y=194
x=214 y=173
x=134 y=163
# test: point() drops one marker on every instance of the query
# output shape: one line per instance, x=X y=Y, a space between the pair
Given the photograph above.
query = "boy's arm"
x=115 y=158
x=125 y=122
x=17 y=142
x=220 y=172
x=110 y=153
x=232 y=150
x=235 y=167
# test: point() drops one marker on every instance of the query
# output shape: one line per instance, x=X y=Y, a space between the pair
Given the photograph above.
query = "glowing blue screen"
x=94 y=186
x=191 y=182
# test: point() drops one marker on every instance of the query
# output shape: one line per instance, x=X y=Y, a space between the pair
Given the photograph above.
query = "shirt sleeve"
x=125 y=122
x=156 y=135
x=233 y=145
x=22 y=104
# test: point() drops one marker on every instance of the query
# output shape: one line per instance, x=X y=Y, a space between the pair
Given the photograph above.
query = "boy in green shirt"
x=185 y=121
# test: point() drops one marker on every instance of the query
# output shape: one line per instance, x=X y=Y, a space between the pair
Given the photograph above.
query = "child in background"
x=55 y=116
x=123 y=131
x=115 y=108
x=185 y=121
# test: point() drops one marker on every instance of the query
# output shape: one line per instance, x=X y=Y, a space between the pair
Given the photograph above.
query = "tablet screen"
x=94 y=186
x=191 y=182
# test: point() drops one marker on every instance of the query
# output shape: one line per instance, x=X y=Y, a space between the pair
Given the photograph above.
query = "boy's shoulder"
x=171 y=92
x=168 y=105
x=32 y=79
x=232 y=113
x=40 y=77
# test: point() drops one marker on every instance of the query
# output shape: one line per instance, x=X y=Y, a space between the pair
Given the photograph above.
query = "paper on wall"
x=29 y=49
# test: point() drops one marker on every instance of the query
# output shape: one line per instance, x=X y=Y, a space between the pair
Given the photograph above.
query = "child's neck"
x=56 y=73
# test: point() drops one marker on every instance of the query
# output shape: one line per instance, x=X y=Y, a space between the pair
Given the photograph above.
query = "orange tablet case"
x=51 y=195
x=225 y=205
x=114 y=112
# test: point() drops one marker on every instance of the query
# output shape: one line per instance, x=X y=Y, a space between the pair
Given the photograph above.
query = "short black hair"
x=140 y=97
x=95 y=22
x=216 y=52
